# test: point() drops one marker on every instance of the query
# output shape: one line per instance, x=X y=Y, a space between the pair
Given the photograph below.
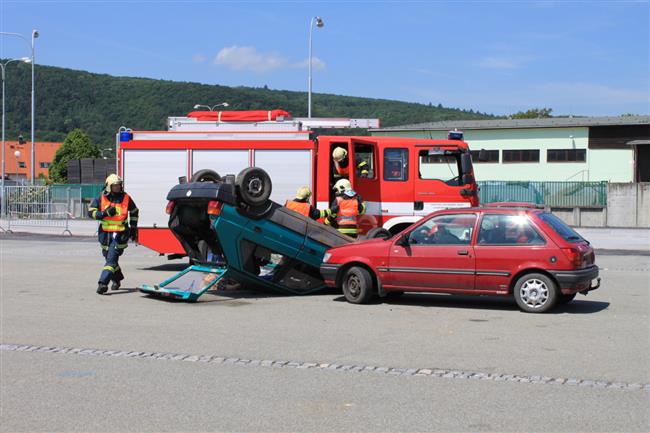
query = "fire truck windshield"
x=443 y=166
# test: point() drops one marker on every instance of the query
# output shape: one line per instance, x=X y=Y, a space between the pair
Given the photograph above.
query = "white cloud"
x=198 y=58
x=593 y=93
x=249 y=59
x=315 y=62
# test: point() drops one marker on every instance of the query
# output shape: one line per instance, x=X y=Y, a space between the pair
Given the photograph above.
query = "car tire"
x=378 y=233
x=565 y=299
x=536 y=293
x=254 y=186
x=357 y=285
x=206 y=175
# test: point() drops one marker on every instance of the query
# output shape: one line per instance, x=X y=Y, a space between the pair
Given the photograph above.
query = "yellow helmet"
x=342 y=185
x=111 y=180
x=339 y=154
x=303 y=193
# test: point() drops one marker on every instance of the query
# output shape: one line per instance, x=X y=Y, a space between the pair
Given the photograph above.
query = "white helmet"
x=339 y=154
x=303 y=193
x=111 y=180
x=342 y=185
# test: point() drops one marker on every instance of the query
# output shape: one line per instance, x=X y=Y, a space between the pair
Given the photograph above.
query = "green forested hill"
x=99 y=104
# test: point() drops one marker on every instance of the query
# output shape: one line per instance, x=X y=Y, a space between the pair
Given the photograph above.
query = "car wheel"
x=206 y=175
x=378 y=233
x=254 y=186
x=536 y=293
x=357 y=285
x=565 y=299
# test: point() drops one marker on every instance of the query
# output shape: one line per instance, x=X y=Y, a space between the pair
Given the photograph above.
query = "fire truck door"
x=365 y=180
x=436 y=181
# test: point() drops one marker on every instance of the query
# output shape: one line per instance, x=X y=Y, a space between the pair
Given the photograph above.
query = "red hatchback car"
x=528 y=253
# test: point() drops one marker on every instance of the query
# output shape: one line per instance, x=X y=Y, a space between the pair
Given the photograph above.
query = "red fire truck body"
x=406 y=178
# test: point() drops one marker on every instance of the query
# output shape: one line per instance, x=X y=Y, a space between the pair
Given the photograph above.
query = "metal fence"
x=554 y=194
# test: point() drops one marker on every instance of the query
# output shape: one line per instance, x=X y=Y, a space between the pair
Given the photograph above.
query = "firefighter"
x=341 y=164
x=112 y=208
x=301 y=205
x=346 y=209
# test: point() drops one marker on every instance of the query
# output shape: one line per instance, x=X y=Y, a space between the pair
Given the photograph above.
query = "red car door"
x=437 y=255
x=506 y=243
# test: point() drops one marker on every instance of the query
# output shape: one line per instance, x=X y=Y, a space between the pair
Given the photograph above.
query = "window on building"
x=21 y=164
x=566 y=155
x=45 y=165
x=521 y=155
x=492 y=156
x=396 y=164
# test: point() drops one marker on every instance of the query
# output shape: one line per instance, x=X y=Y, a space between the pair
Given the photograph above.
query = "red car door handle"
x=463 y=252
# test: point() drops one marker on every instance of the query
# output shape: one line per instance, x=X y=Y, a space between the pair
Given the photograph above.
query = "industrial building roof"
x=551 y=122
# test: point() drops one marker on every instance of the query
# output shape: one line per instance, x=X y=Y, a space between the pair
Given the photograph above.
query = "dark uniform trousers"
x=113 y=245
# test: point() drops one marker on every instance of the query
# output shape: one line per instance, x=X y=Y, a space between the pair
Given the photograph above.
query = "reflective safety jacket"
x=124 y=206
x=346 y=210
x=304 y=208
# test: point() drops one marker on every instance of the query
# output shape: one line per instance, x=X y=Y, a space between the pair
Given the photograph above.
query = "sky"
x=580 y=58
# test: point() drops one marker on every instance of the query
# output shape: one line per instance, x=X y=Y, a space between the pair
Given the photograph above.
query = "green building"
x=613 y=149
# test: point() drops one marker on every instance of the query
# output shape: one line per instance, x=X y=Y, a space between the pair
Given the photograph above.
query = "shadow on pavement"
x=177 y=267
x=482 y=303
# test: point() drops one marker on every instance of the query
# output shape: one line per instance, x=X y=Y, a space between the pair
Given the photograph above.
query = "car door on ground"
x=505 y=243
x=438 y=255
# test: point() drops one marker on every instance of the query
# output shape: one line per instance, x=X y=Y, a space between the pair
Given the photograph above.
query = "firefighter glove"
x=133 y=234
x=110 y=211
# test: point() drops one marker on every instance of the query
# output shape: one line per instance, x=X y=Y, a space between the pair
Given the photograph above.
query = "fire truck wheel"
x=206 y=175
x=254 y=186
x=378 y=233
x=357 y=285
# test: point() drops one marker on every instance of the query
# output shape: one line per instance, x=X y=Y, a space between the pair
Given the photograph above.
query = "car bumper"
x=328 y=272
x=577 y=281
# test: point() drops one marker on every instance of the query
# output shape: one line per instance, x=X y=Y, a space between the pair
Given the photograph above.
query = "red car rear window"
x=560 y=227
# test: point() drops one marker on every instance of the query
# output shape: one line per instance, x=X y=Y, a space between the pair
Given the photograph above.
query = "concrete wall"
x=612 y=165
x=628 y=205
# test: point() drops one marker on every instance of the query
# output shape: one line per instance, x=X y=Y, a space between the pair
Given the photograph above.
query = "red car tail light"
x=214 y=208
x=170 y=207
x=574 y=255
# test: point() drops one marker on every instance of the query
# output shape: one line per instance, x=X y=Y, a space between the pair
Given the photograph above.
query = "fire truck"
x=403 y=178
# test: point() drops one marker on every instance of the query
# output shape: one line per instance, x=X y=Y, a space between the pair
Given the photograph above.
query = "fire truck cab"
x=404 y=178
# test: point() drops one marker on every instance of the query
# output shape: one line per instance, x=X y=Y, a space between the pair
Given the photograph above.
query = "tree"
x=533 y=113
x=76 y=145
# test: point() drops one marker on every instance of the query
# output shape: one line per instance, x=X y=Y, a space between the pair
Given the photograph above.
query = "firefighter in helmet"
x=301 y=205
x=346 y=209
x=341 y=164
x=112 y=208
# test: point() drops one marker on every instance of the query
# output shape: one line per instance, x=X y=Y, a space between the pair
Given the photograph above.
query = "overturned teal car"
x=230 y=228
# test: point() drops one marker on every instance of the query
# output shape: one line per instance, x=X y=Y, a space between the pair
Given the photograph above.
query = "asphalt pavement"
x=245 y=360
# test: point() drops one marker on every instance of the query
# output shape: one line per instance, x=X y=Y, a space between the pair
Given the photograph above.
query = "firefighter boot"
x=116 y=285
x=102 y=288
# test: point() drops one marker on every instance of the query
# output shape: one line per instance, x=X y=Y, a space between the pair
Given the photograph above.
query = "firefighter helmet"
x=339 y=154
x=111 y=180
x=342 y=185
x=303 y=193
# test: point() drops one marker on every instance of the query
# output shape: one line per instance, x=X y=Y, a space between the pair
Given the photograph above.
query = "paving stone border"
x=348 y=368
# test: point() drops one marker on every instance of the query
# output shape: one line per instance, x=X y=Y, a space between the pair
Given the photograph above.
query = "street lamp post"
x=211 y=108
x=35 y=35
x=319 y=23
x=3 y=68
x=17 y=155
